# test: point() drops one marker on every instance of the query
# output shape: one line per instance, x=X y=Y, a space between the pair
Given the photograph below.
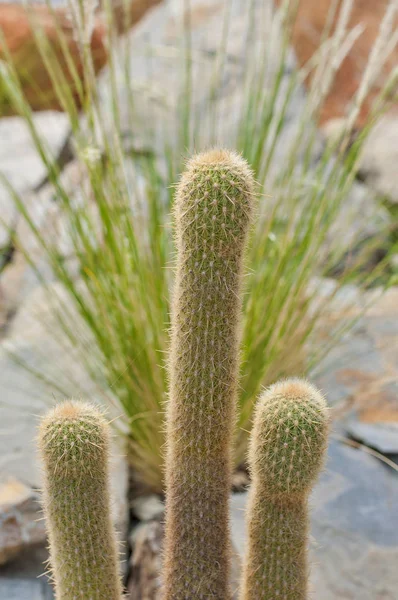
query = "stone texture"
x=16 y=26
x=21 y=525
x=17 y=149
x=18 y=279
x=15 y=23
x=19 y=589
x=360 y=373
x=145 y=563
x=378 y=164
x=19 y=160
x=23 y=578
x=354 y=545
x=380 y=436
x=147 y=508
x=363 y=217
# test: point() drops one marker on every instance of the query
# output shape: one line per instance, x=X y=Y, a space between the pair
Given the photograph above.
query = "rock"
x=15 y=24
x=362 y=217
x=378 y=164
x=19 y=589
x=17 y=148
x=23 y=577
x=361 y=370
x=354 y=545
x=18 y=278
x=32 y=341
x=145 y=563
x=21 y=525
x=380 y=436
x=147 y=508
x=240 y=480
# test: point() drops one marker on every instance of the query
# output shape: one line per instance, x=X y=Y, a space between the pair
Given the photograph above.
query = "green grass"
x=115 y=313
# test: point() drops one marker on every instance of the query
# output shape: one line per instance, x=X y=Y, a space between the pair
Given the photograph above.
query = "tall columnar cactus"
x=74 y=440
x=286 y=454
x=213 y=208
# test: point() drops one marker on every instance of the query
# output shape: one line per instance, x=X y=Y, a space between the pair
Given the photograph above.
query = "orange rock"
x=16 y=24
x=20 y=525
x=311 y=19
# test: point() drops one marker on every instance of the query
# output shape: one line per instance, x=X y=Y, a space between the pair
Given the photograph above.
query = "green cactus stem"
x=286 y=454
x=74 y=446
x=213 y=209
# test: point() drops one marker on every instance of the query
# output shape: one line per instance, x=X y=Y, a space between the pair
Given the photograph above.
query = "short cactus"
x=286 y=454
x=213 y=208
x=74 y=441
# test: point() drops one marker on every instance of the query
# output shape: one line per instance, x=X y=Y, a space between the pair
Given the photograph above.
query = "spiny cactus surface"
x=214 y=204
x=286 y=454
x=74 y=442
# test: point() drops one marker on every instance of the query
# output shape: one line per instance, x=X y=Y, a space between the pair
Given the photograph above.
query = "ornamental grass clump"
x=286 y=454
x=74 y=446
x=213 y=209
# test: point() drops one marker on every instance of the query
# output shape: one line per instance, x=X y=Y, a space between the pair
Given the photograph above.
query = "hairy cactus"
x=286 y=454
x=213 y=208
x=74 y=441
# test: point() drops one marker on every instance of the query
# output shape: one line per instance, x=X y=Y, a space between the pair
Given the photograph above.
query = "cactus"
x=213 y=209
x=286 y=454
x=74 y=442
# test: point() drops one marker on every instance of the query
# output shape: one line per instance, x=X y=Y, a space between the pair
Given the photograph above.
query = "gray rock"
x=360 y=373
x=21 y=589
x=363 y=217
x=146 y=508
x=378 y=165
x=19 y=279
x=23 y=578
x=381 y=436
x=17 y=149
x=354 y=544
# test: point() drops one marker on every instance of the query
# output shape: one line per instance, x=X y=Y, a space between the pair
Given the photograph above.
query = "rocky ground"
x=354 y=544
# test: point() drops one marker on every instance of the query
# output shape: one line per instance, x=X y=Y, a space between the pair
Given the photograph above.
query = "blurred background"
x=100 y=105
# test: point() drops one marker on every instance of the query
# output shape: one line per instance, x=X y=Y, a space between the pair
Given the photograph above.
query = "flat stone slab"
x=23 y=578
x=17 y=149
x=360 y=374
x=380 y=436
x=19 y=589
x=354 y=540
